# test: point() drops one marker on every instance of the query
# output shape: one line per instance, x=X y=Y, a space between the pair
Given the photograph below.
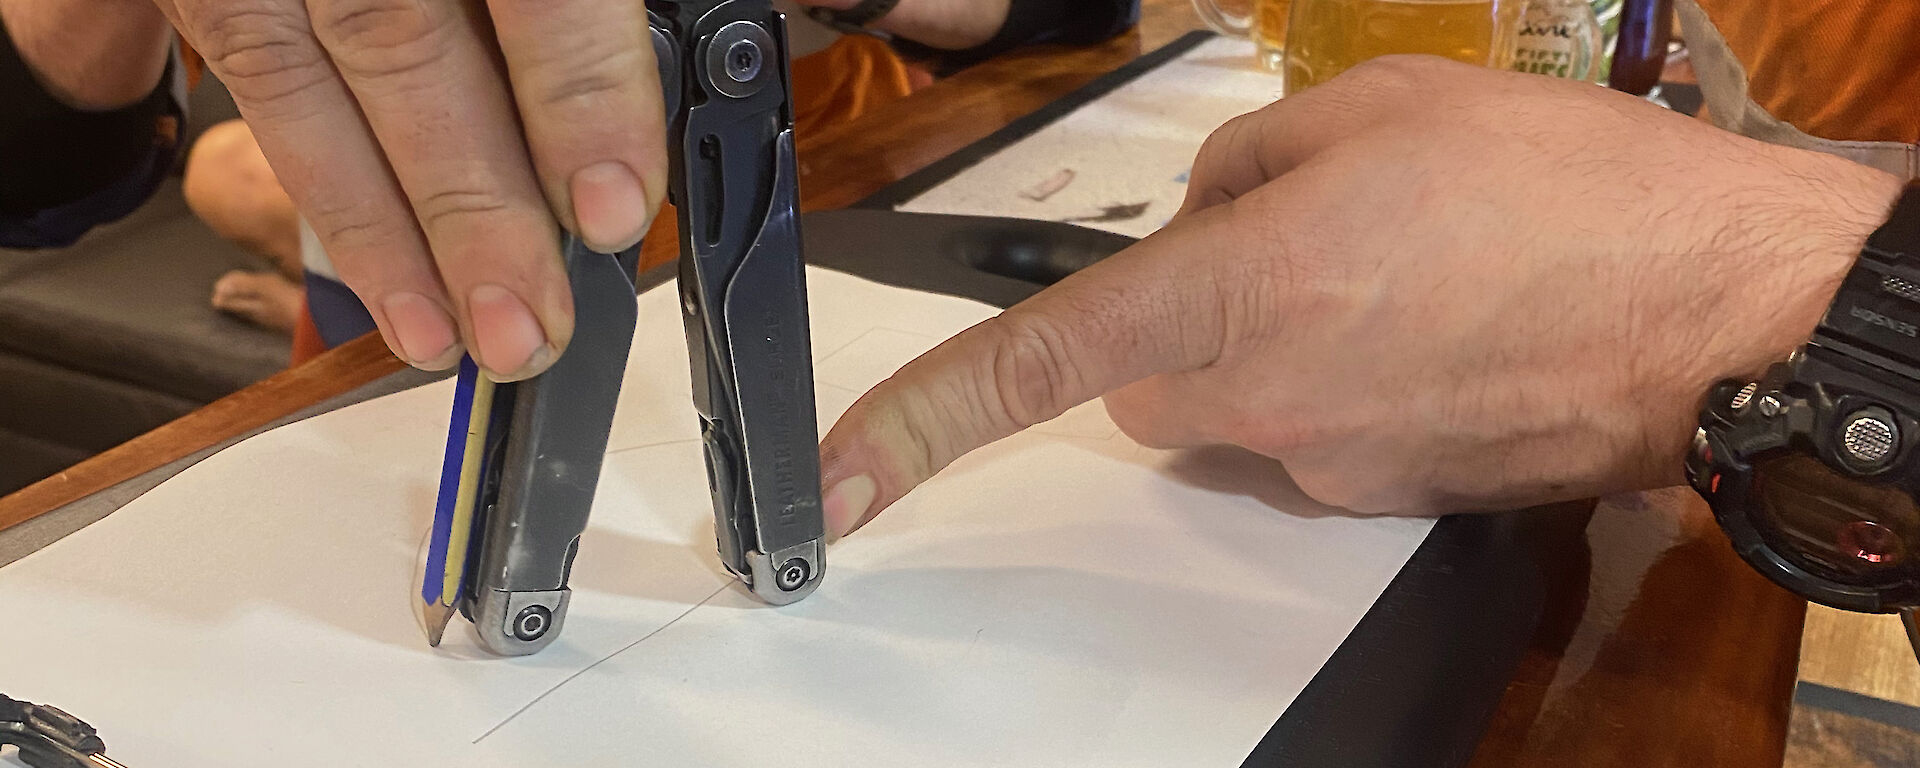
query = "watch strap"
x=1899 y=238
x=1875 y=317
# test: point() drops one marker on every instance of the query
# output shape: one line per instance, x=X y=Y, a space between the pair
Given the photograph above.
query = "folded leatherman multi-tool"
x=523 y=458
x=49 y=738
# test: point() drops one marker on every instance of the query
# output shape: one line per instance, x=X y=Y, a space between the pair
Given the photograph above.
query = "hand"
x=1423 y=287
x=433 y=145
x=946 y=24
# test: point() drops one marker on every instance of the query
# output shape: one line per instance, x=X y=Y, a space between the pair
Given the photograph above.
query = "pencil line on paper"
x=837 y=350
x=589 y=668
x=644 y=446
x=819 y=359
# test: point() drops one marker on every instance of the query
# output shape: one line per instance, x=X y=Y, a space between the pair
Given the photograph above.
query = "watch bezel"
x=1814 y=392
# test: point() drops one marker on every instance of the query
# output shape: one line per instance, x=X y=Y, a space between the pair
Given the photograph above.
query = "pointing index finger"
x=1150 y=309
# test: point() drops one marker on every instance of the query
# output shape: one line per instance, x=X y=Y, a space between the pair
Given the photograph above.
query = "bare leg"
x=231 y=187
x=263 y=298
x=91 y=54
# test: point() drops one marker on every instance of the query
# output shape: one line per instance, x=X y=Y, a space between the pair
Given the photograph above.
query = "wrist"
x=1812 y=239
x=942 y=24
x=951 y=25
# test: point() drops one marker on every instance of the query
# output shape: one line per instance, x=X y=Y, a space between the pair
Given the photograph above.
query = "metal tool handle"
x=50 y=738
x=556 y=441
x=743 y=286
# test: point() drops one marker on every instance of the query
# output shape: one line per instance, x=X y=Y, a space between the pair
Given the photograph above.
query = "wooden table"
x=1661 y=648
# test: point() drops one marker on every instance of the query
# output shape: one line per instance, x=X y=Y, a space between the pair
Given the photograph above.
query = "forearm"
x=946 y=24
x=90 y=54
x=983 y=27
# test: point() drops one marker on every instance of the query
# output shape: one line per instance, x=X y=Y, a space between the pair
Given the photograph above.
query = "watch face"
x=1834 y=525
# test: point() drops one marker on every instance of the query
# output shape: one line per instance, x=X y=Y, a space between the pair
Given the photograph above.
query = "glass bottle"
x=1559 y=38
x=1640 y=54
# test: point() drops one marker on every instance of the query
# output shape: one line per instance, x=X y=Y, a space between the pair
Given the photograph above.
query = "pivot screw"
x=1770 y=406
x=736 y=59
x=743 y=61
x=1869 y=437
x=793 y=573
x=532 y=623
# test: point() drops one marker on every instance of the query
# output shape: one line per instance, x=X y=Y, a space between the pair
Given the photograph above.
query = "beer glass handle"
x=1222 y=20
x=1593 y=40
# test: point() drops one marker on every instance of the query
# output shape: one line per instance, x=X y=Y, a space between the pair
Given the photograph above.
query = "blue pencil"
x=460 y=473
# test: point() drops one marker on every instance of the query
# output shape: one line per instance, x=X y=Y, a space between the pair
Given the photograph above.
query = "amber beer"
x=1266 y=24
x=1270 y=30
x=1327 y=37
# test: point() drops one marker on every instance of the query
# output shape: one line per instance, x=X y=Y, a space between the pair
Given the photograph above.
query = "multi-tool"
x=523 y=458
x=49 y=738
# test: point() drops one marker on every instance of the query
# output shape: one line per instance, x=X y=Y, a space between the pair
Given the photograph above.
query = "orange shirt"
x=847 y=79
x=1847 y=70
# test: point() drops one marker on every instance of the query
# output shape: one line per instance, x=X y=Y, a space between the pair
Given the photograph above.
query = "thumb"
x=1152 y=308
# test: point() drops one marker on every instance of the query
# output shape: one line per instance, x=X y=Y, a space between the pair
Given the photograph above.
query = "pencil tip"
x=437 y=616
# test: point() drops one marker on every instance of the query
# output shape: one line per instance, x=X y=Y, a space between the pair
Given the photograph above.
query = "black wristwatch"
x=855 y=20
x=1814 y=471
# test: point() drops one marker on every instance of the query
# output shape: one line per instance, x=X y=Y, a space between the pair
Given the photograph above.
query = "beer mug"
x=1267 y=26
x=1327 y=37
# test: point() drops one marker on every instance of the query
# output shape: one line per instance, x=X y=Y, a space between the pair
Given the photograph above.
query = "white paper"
x=1134 y=145
x=1063 y=598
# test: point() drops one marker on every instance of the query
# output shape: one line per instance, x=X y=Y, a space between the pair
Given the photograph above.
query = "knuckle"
x=1220 y=143
x=1389 y=77
x=262 y=52
x=351 y=230
x=382 y=38
x=923 y=452
x=349 y=226
x=1031 y=371
x=895 y=427
x=582 y=89
x=590 y=78
x=350 y=234
x=1311 y=263
x=450 y=208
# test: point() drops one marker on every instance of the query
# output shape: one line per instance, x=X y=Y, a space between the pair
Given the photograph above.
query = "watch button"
x=1869 y=436
x=1744 y=396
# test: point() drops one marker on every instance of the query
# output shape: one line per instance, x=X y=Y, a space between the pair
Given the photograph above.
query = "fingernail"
x=510 y=342
x=610 y=205
x=422 y=329
x=846 y=503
